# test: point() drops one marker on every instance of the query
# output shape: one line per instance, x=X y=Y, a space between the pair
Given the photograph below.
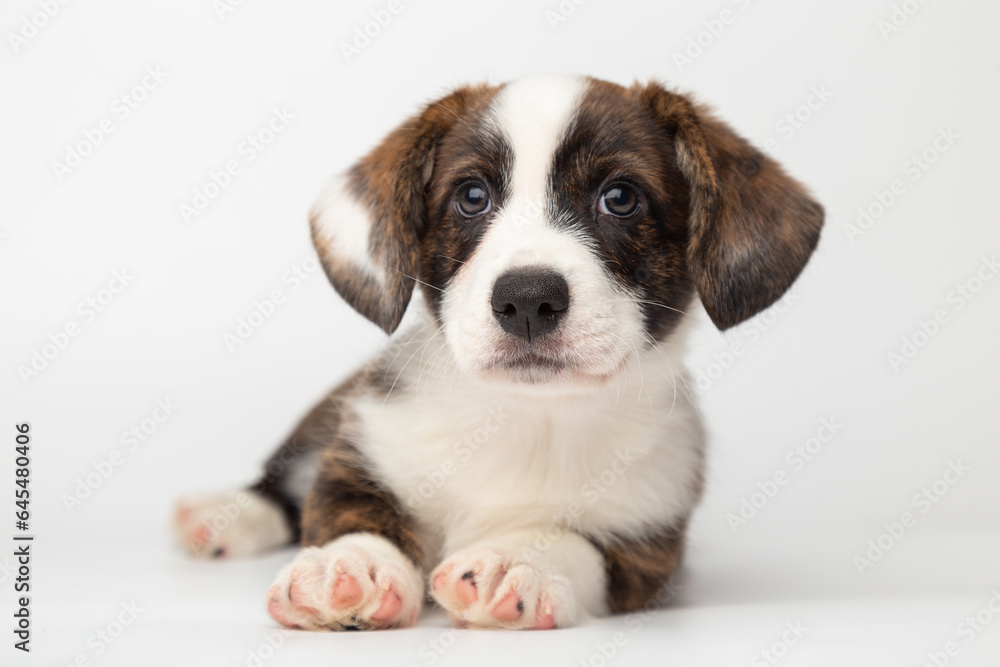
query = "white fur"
x=234 y=524
x=533 y=113
x=378 y=567
x=481 y=460
x=344 y=226
x=602 y=326
x=561 y=576
x=301 y=474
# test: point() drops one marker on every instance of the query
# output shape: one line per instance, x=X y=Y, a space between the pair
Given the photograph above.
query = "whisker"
x=400 y=373
x=402 y=346
x=657 y=304
x=417 y=280
x=427 y=369
x=676 y=374
x=642 y=372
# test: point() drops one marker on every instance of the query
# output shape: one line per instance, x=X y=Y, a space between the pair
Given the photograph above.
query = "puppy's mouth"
x=531 y=361
x=535 y=359
x=546 y=365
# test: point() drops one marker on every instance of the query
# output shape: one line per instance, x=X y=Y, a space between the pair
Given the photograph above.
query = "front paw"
x=486 y=588
x=357 y=582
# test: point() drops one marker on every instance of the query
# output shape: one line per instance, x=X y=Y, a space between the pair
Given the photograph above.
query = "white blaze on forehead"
x=601 y=326
x=533 y=114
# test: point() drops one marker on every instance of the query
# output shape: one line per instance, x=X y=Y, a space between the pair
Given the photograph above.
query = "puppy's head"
x=560 y=225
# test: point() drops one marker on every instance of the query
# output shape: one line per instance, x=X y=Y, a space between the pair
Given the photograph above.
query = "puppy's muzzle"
x=530 y=302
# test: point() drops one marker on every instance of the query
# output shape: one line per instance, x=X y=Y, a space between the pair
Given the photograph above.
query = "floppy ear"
x=368 y=224
x=752 y=226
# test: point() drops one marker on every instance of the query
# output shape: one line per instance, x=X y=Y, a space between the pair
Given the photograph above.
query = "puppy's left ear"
x=368 y=225
x=752 y=226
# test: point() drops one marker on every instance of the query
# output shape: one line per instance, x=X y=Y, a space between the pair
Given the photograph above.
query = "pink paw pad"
x=390 y=606
x=466 y=588
x=298 y=596
x=509 y=608
x=357 y=583
x=184 y=513
x=201 y=536
x=274 y=608
x=346 y=592
x=488 y=590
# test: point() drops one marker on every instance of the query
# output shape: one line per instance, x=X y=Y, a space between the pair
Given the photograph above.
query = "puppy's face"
x=556 y=232
x=561 y=225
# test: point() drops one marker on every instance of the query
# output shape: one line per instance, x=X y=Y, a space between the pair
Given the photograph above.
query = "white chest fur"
x=471 y=460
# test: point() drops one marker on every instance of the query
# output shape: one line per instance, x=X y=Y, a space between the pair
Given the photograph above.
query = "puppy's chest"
x=475 y=460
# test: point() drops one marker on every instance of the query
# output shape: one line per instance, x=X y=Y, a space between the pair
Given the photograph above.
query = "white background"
x=824 y=355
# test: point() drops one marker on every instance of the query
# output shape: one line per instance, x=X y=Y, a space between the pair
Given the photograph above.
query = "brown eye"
x=472 y=200
x=619 y=201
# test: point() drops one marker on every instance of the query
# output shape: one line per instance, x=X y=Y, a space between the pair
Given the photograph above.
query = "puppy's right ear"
x=368 y=224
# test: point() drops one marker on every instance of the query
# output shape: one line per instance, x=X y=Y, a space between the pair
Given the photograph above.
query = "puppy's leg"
x=544 y=579
x=268 y=514
x=229 y=524
x=359 y=568
x=638 y=569
x=526 y=580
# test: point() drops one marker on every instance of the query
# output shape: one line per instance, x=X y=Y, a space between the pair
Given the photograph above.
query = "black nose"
x=530 y=302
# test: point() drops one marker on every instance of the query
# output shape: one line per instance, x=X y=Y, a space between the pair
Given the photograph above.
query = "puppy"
x=530 y=443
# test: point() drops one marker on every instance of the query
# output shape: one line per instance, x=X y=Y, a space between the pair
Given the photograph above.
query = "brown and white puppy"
x=530 y=444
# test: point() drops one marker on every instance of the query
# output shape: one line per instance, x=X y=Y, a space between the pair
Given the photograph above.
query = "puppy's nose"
x=530 y=302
